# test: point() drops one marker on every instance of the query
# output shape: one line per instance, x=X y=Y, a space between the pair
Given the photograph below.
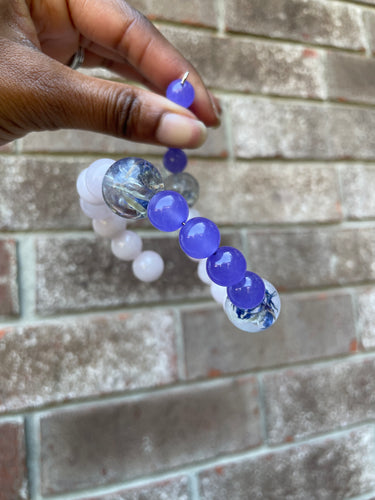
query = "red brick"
x=13 y=477
x=104 y=444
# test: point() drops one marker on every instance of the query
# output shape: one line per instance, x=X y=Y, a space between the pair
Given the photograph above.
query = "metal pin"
x=184 y=78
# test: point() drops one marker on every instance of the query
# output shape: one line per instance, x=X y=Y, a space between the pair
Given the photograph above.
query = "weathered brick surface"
x=255 y=193
x=365 y=318
x=313 y=21
x=358 y=186
x=314 y=257
x=311 y=400
x=252 y=66
x=9 y=303
x=330 y=469
x=172 y=489
x=40 y=193
x=80 y=273
x=105 y=444
x=369 y=23
x=306 y=329
x=58 y=361
x=350 y=77
x=190 y=13
x=13 y=477
x=264 y=128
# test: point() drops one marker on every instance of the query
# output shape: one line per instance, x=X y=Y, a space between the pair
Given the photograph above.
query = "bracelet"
x=112 y=192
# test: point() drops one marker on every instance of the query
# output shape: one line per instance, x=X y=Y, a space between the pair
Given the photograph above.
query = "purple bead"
x=248 y=293
x=199 y=238
x=175 y=160
x=167 y=210
x=226 y=267
x=181 y=93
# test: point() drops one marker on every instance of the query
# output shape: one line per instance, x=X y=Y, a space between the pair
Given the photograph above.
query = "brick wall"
x=112 y=389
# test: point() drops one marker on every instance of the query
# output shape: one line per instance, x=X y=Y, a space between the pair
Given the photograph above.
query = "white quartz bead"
x=95 y=175
x=95 y=211
x=218 y=293
x=148 y=266
x=83 y=192
x=109 y=227
x=127 y=245
x=202 y=272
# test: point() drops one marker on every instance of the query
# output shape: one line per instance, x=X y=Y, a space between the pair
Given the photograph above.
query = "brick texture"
x=306 y=329
x=9 y=303
x=311 y=400
x=312 y=21
x=64 y=360
x=358 y=185
x=13 y=476
x=365 y=322
x=329 y=469
x=104 y=444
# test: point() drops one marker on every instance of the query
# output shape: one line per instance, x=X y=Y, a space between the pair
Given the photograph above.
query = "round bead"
x=202 y=272
x=128 y=186
x=95 y=175
x=218 y=293
x=84 y=193
x=247 y=293
x=175 y=160
x=148 y=266
x=181 y=93
x=258 y=318
x=185 y=184
x=199 y=237
x=227 y=266
x=110 y=227
x=127 y=245
x=167 y=211
x=94 y=211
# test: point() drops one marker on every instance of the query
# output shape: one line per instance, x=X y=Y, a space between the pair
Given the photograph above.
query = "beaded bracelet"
x=112 y=192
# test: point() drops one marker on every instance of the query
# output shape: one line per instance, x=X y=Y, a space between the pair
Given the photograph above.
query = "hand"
x=38 y=91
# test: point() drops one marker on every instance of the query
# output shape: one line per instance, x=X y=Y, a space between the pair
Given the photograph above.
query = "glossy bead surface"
x=258 y=318
x=167 y=211
x=127 y=245
x=84 y=193
x=227 y=266
x=199 y=237
x=247 y=293
x=94 y=211
x=148 y=266
x=202 y=272
x=109 y=227
x=175 y=160
x=95 y=175
x=128 y=186
x=218 y=293
x=185 y=184
x=181 y=93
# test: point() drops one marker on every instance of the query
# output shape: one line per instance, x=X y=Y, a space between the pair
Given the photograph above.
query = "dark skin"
x=38 y=90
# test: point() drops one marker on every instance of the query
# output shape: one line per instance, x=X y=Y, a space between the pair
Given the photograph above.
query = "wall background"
x=113 y=389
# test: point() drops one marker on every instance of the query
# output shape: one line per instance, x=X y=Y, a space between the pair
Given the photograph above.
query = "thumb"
x=39 y=93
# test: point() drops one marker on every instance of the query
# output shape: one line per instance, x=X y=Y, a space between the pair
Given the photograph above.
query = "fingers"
x=51 y=96
x=118 y=27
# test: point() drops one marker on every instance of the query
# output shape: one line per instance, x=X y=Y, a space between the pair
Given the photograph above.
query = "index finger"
x=116 y=25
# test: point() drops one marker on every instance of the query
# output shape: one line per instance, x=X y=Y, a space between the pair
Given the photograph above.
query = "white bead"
x=83 y=192
x=193 y=212
x=127 y=245
x=218 y=293
x=202 y=272
x=95 y=175
x=148 y=266
x=110 y=227
x=95 y=211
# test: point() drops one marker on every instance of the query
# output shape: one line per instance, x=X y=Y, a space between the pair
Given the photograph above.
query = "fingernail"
x=180 y=131
x=216 y=105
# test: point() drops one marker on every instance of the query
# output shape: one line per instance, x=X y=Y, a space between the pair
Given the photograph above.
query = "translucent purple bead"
x=175 y=160
x=167 y=210
x=199 y=237
x=181 y=93
x=227 y=266
x=248 y=293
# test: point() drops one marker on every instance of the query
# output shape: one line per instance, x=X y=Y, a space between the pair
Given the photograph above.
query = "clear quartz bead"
x=259 y=318
x=185 y=184
x=127 y=245
x=109 y=227
x=148 y=266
